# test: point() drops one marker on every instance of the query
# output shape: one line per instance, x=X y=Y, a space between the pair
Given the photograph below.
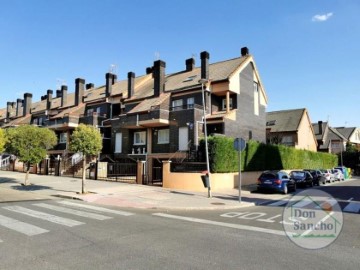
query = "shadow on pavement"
x=30 y=187
x=7 y=180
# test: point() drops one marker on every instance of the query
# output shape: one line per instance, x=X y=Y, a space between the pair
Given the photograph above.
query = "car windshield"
x=298 y=174
x=267 y=176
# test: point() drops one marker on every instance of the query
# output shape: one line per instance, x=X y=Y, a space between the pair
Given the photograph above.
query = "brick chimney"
x=320 y=127
x=190 y=64
x=110 y=80
x=19 y=103
x=149 y=70
x=79 y=90
x=114 y=79
x=89 y=86
x=131 y=84
x=9 y=106
x=159 y=77
x=64 y=90
x=58 y=93
x=244 y=51
x=204 y=56
x=27 y=103
x=49 y=99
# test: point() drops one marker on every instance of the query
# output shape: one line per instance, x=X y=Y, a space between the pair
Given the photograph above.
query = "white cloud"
x=322 y=18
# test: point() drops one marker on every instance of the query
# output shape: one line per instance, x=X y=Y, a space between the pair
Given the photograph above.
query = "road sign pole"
x=239 y=175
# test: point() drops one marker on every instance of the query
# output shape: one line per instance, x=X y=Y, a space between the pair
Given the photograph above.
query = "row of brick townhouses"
x=155 y=116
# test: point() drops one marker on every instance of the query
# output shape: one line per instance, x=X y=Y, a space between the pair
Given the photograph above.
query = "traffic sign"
x=239 y=144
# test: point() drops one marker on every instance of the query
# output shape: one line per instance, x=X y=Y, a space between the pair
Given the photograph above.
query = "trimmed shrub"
x=258 y=157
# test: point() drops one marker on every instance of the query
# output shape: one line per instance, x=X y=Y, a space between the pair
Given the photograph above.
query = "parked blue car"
x=276 y=181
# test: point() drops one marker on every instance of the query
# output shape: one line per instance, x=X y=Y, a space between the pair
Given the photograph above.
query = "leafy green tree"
x=350 y=147
x=86 y=140
x=2 y=140
x=29 y=144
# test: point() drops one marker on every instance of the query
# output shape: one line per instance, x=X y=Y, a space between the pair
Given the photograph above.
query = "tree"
x=29 y=144
x=2 y=140
x=88 y=141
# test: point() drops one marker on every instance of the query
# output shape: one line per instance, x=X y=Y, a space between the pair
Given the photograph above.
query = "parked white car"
x=329 y=176
x=339 y=176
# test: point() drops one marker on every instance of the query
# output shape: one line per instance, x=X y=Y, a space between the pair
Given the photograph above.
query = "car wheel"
x=285 y=191
x=294 y=188
x=311 y=184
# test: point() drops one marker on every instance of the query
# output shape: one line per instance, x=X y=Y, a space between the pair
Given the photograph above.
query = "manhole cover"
x=218 y=203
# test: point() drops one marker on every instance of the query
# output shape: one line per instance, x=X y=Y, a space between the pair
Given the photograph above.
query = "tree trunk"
x=27 y=174
x=83 y=190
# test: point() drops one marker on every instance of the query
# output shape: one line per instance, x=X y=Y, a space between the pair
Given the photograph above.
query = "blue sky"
x=307 y=52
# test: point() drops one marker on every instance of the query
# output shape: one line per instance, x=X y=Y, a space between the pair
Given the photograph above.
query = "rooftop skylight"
x=190 y=78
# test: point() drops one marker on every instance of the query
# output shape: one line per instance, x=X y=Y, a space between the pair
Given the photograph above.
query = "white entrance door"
x=183 y=138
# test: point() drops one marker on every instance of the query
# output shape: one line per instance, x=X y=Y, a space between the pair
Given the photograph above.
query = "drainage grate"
x=218 y=203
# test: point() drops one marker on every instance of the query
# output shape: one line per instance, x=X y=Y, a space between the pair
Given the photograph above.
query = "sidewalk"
x=126 y=195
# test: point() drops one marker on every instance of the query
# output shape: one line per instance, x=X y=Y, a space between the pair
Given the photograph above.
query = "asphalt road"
x=68 y=234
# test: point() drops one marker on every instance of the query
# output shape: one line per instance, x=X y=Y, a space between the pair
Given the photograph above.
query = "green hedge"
x=258 y=157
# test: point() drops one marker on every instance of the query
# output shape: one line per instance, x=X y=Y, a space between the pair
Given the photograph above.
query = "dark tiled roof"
x=146 y=104
x=24 y=120
x=318 y=135
x=284 y=121
x=74 y=111
x=346 y=132
x=144 y=86
x=335 y=135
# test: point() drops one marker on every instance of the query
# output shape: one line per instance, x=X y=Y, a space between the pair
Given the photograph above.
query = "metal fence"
x=121 y=172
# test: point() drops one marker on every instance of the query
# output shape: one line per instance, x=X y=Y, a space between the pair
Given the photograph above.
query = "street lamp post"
x=207 y=82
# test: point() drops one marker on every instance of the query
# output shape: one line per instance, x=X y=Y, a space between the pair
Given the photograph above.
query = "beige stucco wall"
x=218 y=181
x=306 y=137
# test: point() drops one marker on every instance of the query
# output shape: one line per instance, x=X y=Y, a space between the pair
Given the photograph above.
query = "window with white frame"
x=163 y=136
x=140 y=138
x=177 y=104
x=190 y=103
x=63 y=137
x=224 y=104
x=118 y=142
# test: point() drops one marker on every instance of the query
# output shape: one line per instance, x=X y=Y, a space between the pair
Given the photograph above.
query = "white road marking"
x=302 y=203
x=223 y=224
x=352 y=207
x=44 y=216
x=72 y=211
x=20 y=227
x=97 y=208
x=278 y=203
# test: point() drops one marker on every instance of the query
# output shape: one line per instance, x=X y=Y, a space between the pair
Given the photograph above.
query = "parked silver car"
x=339 y=176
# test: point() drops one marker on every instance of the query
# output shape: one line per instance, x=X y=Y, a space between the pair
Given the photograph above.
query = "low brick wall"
x=219 y=181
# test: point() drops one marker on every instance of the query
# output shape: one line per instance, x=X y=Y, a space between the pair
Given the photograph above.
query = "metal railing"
x=4 y=162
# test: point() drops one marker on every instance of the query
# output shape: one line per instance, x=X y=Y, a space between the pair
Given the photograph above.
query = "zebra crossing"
x=36 y=211
x=346 y=206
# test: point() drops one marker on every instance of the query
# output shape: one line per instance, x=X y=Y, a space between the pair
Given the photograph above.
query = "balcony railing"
x=94 y=119
x=66 y=120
